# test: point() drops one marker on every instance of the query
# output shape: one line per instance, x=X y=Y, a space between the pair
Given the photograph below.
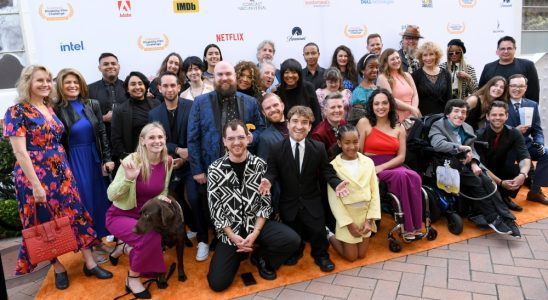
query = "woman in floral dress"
x=42 y=175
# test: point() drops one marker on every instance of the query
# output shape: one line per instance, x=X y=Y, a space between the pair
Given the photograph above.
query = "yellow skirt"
x=358 y=215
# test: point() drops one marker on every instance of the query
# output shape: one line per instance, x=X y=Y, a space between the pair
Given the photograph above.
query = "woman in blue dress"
x=86 y=143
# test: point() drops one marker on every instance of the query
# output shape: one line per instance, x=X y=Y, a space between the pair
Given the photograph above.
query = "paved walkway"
x=487 y=267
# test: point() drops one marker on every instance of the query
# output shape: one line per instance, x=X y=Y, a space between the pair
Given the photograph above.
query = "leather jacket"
x=92 y=110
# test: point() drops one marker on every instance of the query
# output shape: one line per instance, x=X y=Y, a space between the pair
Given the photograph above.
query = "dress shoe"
x=61 y=280
x=511 y=204
x=537 y=197
x=326 y=265
x=264 y=268
x=293 y=259
x=145 y=294
x=113 y=259
x=98 y=272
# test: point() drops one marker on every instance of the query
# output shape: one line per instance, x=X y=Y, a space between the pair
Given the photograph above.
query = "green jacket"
x=122 y=191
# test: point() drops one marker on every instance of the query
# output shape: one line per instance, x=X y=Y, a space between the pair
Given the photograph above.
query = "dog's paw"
x=182 y=277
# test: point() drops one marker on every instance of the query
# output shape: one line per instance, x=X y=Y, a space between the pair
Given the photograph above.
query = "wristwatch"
x=524 y=175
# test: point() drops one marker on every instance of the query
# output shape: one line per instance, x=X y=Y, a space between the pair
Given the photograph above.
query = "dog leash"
x=149 y=282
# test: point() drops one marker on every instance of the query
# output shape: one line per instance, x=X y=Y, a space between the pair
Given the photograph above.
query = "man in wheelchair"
x=452 y=135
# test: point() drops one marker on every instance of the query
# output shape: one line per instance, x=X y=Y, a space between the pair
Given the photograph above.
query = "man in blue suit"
x=210 y=112
x=173 y=114
x=534 y=138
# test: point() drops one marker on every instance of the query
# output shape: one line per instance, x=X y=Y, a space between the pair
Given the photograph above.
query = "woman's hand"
x=354 y=230
x=366 y=227
x=108 y=167
x=164 y=198
x=463 y=75
x=39 y=194
x=131 y=169
x=416 y=112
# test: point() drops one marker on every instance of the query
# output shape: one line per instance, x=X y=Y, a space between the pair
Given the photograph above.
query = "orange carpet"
x=196 y=287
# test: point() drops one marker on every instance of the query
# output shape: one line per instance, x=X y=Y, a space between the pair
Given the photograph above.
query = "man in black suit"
x=506 y=158
x=295 y=162
x=173 y=114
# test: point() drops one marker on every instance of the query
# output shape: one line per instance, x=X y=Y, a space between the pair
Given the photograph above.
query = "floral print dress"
x=50 y=164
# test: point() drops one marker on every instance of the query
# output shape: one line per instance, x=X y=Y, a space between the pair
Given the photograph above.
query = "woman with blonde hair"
x=399 y=83
x=86 y=143
x=463 y=75
x=43 y=179
x=433 y=83
x=142 y=175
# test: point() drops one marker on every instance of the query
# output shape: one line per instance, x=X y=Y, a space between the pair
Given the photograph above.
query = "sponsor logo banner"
x=427 y=3
x=355 y=32
x=296 y=35
x=186 y=7
x=467 y=3
x=124 y=7
x=72 y=46
x=387 y=2
x=230 y=37
x=317 y=3
x=506 y=3
x=153 y=43
x=252 y=5
x=56 y=12
x=456 y=27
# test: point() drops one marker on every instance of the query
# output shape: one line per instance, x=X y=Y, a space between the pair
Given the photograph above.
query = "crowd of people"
x=267 y=158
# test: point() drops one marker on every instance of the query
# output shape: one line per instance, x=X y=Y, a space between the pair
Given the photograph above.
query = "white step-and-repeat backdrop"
x=142 y=32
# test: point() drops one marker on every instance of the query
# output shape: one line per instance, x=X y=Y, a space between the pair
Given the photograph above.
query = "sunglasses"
x=455 y=53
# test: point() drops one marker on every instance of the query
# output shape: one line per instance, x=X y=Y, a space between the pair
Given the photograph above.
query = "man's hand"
x=200 y=178
x=183 y=153
x=264 y=187
x=475 y=169
x=249 y=241
x=341 y=190
x=107 y=117
x=522 y=128
x=108 y=167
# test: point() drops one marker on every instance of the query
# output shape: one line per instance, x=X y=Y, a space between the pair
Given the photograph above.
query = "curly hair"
x=426 y=47
x=350 y=73
x=245 y=65
x=392 y=113
x=163 y=68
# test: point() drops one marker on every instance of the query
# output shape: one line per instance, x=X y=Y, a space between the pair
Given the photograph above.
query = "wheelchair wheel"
x=395 y=246
x=454 y=223
x=432 y=234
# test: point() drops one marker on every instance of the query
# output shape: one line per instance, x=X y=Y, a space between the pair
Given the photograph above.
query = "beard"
x=411 y=52
x=230 y=91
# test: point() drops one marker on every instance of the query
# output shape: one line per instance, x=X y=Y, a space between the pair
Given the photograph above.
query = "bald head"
x=224 y=79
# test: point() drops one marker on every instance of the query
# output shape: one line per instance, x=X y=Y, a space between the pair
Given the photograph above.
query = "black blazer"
x=122 y=139
x=159 y=114
x=92 y=110
x=300 y=190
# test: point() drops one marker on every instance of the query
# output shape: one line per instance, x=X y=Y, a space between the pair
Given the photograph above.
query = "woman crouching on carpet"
x=142 y=175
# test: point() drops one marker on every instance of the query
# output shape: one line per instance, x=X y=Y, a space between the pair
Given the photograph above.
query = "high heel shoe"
x=141 y=295
x=114 y=260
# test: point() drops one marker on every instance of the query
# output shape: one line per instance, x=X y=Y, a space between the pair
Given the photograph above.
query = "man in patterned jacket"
x=240 y=213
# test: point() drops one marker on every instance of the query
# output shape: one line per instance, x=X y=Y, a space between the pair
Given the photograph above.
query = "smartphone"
x=248 y=279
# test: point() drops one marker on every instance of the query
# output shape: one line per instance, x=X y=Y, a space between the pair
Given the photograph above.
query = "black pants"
x=277 y=243
x=481 y=186
x=313 y=228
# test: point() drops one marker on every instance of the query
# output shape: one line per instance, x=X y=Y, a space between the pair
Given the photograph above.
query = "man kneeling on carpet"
x=452 y=135
x=142 y=175
x=240 y=213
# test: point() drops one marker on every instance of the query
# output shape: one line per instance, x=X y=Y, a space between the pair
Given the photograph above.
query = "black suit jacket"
x=300 y=190
x=122 y=140
x=159 y=114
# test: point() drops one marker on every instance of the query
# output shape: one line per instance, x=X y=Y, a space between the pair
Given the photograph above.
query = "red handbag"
x=48 y=240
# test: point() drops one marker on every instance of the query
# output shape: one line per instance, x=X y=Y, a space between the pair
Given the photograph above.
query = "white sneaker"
x=203 y=251
x=191 y=234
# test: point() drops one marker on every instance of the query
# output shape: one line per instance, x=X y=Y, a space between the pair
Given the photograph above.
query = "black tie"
x=297 y=157
x=516 y=106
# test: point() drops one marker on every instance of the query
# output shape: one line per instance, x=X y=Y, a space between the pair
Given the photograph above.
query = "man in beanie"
x=409 y=43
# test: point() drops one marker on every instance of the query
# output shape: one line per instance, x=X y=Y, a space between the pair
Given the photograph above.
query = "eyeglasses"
x=515 y=86
x=455 y=53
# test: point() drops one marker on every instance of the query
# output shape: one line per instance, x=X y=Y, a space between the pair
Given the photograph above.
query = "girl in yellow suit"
x=356 y=213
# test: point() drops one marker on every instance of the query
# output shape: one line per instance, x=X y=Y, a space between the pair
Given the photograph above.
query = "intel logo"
x=71 y=46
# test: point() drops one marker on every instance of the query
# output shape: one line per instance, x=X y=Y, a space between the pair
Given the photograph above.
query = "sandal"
x=145 y=294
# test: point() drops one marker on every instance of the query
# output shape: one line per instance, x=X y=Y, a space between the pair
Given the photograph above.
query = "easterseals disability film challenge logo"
x=252 y=5
x=153 y=43
x=56 y=12
x=467 y=3
x=296 y=35
x=456 y=27
x=355 y=31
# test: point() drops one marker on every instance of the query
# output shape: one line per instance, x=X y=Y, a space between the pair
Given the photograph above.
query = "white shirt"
x=301 y=150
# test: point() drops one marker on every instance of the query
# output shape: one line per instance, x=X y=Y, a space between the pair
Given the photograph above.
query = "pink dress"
x=403 y=92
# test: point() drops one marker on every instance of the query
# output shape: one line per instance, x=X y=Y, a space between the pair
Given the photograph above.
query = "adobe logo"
x=124 y=7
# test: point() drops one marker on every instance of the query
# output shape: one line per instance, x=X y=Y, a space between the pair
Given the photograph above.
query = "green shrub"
x=7 y=161
x=9 y=215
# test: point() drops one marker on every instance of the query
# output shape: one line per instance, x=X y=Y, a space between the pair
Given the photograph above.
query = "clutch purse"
x=50 y=239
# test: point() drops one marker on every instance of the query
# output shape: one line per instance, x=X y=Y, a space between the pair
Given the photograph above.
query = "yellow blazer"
x=363 y=188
